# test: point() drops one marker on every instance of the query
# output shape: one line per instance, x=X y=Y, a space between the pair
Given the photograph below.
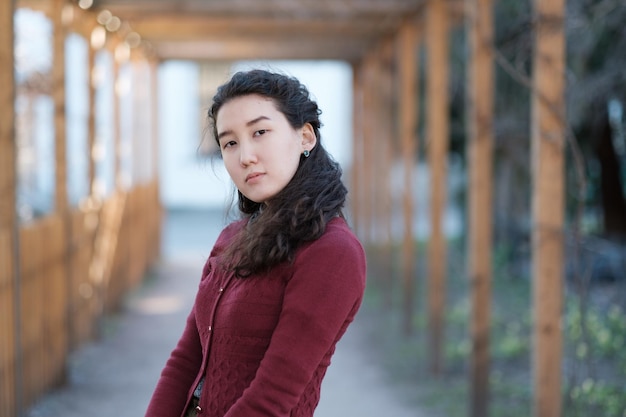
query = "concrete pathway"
x=115 y=376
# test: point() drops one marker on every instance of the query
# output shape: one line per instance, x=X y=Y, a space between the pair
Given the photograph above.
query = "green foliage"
x=593 y=397
x=594 y=339
x=459 y=346
x=598 y=337
x=605 y=332
x=513 y=342
x=516 y=395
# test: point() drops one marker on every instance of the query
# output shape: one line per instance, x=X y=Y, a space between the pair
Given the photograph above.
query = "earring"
x=306 y=153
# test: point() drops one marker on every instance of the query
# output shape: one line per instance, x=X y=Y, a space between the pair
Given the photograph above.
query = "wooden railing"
x=72 y=270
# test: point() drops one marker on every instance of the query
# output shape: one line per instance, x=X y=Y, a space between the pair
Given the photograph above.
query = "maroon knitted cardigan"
x=263 y=343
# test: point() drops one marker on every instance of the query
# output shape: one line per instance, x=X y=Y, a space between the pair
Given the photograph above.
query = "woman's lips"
x=255 y=176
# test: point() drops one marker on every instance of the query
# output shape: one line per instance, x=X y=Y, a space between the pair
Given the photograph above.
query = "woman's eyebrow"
x=258 y=119
x=250 y=123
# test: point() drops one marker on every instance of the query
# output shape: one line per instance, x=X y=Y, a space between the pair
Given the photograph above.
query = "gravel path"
x=115 y=376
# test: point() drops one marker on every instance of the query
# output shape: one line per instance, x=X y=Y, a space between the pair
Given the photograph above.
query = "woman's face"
x=260 y=149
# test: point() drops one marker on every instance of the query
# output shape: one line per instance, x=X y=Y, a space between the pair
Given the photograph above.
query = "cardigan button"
x=221 y=289
x=198 y=409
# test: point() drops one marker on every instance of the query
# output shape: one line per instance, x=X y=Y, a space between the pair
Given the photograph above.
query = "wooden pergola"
x=381 y=39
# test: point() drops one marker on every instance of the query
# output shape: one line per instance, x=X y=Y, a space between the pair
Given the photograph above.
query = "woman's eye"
x=260 y=132
x=229 y=144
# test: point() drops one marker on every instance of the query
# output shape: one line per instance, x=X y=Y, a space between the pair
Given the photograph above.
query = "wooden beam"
x=155 y=27
x=273 y=32
x=408 y=111
x=44 y=6
x=548 y=137
x=480 y=93
x=437 y=137
x=262 y=48
x=267 y=8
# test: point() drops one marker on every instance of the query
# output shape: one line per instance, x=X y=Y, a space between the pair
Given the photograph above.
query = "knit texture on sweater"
x=263 y=343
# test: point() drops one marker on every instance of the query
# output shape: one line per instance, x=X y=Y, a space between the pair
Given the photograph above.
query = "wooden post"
x=154 y=119
x=357 y=148
x=548 y=136
x=368 y=139
x=146 y=119
x=61 y=283
x=387 y=153
x=10 y=364
x=380 y=142
x=437 y=137
x=136 y=135
x=407 y=93
x=141 y=144
x=58 y=97
x=91 y=120
x=377 y=140
x=117 y=130
x=154 y=138
x=480 y=94
x=7 y=122
x=370 y=143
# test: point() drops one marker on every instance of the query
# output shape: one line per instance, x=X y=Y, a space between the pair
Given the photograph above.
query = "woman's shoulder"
x=336 y=254
x=227 y=234
x=233 y=228
x=337 y=239
x=338 y=228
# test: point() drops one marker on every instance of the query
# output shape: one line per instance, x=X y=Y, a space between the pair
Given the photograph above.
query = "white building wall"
x=186 y=180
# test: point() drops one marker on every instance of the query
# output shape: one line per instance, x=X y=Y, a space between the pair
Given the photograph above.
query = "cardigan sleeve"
x=320 y=300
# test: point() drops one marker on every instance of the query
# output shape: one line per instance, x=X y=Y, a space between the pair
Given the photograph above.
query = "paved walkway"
x=115 y=376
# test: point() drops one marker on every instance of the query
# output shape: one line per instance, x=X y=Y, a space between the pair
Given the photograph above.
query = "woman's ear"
x=309 y=140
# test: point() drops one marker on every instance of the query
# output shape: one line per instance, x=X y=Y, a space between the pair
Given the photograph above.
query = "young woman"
x=282 y=284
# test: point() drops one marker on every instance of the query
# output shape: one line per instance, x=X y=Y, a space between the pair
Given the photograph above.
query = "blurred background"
x=483 y=143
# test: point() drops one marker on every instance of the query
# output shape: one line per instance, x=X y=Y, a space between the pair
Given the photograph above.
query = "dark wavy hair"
x=300 y=211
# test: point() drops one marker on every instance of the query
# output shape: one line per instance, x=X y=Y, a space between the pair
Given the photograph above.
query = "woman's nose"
x=247 y=154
